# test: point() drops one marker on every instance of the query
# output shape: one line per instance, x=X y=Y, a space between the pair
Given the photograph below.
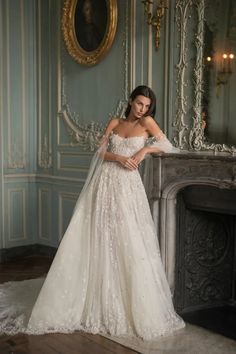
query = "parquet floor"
x=76 y=343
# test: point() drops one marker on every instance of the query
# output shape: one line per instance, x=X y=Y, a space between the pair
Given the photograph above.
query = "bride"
x=107 y=276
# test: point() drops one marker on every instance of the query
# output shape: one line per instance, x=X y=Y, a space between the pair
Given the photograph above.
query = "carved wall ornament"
x=192 y=136
x=89 y=29
x=180 y=124
x=16 y=157
x=85 y=135
x=45 y=155
x=196 y=134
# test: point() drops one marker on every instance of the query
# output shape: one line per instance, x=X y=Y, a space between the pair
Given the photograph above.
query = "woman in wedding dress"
x=107 y=276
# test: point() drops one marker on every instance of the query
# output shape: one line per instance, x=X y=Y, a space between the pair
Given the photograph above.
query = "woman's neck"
x=132 y=119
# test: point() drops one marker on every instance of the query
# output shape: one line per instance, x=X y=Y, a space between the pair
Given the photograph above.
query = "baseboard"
x=8 y=254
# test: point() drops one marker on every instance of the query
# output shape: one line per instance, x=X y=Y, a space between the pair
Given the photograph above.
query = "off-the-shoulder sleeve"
x=162 y=143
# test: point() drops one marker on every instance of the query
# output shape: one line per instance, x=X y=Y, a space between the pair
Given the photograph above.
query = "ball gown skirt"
x=107 y=276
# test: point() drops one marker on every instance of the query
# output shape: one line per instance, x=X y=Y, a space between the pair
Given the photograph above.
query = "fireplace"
x=205 y=248
x=193 y=202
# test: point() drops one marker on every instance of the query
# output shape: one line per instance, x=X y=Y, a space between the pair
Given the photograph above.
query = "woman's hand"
x=128 y=162
x=139 y=156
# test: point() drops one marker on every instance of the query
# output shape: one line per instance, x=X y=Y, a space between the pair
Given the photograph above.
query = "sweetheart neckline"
x=130 y=137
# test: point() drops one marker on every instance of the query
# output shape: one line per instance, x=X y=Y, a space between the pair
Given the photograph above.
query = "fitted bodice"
x=126 y=146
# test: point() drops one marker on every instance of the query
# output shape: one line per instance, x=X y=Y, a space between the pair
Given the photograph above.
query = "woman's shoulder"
x=148 y=121
x=113 y=122
x=111 y=125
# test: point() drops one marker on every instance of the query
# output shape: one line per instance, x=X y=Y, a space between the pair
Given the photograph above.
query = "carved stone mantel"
x=169 y=174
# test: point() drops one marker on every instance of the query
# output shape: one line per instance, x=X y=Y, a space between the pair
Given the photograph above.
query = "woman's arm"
x=162 y=144
x=152 y=128
x=127 y=162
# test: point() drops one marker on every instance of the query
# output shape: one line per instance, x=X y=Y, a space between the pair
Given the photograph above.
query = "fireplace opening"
x=205 y=270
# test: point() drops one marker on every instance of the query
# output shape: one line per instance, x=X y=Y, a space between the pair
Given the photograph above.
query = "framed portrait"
x=89 y=28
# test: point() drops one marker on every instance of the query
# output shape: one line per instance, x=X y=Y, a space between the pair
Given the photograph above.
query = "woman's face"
x=140 y=106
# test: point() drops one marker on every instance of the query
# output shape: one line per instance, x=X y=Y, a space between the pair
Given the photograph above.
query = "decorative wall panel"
x=74 y=161
x=44 y=76
x=17 y=122
x=18 y=90
x=66 y=205
x=45 y=214
x=16 y=214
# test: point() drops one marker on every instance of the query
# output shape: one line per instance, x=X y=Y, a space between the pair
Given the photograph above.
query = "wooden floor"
x=76 y=343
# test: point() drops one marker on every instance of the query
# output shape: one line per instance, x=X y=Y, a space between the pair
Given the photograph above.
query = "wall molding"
x=133 y=44
x=43 y=178
x=44 y=137
x=48 y=194
x=64 y=196
x=10 y=196
x=150 y=53
x=24 y=60
x=16 y=149
x=77 y=166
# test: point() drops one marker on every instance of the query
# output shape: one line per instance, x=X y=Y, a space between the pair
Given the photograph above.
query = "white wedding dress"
x=107 y=276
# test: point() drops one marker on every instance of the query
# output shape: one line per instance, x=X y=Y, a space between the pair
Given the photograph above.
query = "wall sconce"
x=154 y=20
x=225 y=69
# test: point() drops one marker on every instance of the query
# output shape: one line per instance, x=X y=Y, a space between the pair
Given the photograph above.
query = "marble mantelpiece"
x=166 y=175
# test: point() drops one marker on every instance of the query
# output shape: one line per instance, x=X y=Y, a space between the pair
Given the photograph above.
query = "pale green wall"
x=44 y=170
x=18 y=123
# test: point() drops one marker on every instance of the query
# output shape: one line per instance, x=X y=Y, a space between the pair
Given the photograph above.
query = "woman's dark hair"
x=145 y=91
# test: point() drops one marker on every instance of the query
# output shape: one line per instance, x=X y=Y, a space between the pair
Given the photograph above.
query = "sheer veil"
x=18 y=298
x=94 y=168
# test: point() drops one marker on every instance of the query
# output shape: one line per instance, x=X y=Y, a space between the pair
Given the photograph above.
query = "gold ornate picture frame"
x=89 y=28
